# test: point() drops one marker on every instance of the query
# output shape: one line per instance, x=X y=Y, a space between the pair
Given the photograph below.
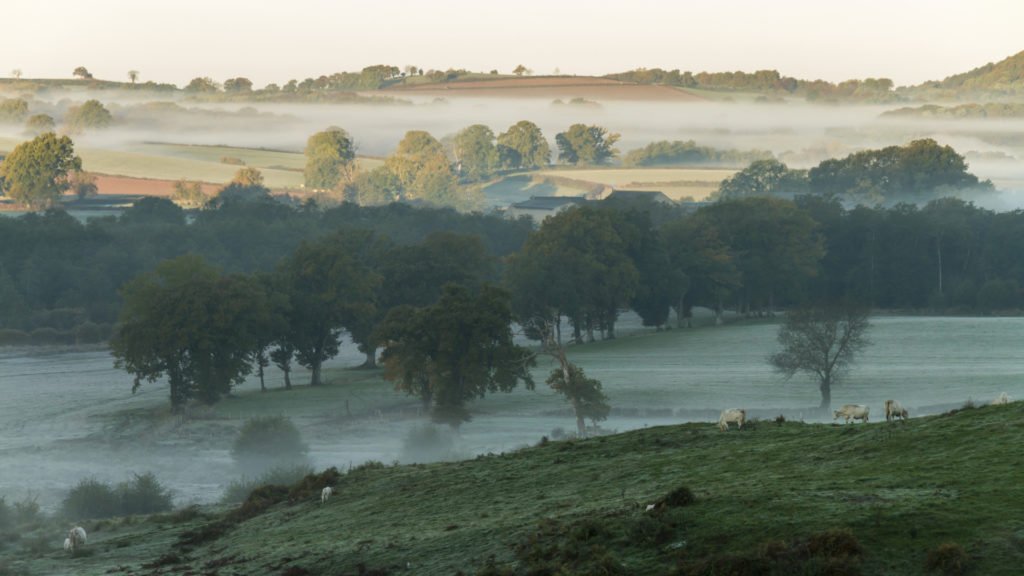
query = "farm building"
x=540 y=207
x=638 y=196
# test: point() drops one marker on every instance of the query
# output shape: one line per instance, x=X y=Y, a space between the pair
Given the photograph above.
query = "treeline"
x=917 y=172
x=59 y=278
x=442 y=323
x=689 y=153
x=766 y=81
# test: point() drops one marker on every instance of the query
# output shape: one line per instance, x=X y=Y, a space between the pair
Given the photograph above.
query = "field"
x=676 y=183
x=152 y=168
x=546 y=87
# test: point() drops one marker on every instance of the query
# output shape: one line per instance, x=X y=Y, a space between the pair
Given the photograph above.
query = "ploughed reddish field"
x=550 y=87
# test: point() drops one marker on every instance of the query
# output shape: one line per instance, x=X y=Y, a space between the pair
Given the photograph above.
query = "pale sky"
x=173 y=41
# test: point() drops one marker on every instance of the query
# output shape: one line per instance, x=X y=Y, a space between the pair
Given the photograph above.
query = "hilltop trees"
x=202 y=85
x=821 y=342
x=133 y=76
x=586 y=145
x=239 y=84
x=330 y=157
x=37 y=172
x=523 y=147
x=82 y=73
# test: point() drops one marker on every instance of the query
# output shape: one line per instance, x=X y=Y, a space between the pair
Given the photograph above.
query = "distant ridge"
x=1005 y=76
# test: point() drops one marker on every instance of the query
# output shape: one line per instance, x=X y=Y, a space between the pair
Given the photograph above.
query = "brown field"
x=549 y=87
x=123 y=185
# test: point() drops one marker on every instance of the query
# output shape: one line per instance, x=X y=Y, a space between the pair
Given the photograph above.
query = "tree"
x=585 y=394
x=376 y=187
x=202 y=85
x=523 y=146
x=330 y=157
x=91 y=114
x=133 y=75
x=520 y=70
x=767 y=177
x=587 y=145
x=705 y=262
x=454 y=351
x=821 y=342
x=424 y=173
x=36 y=172
x=82 y=73
x=39 y=124
x=329 y=289
x=475 y=153
x=248 y=176
x=189 y=323
x=13 y=110
x=189 y=194
x=239 y=84
x=83 y=184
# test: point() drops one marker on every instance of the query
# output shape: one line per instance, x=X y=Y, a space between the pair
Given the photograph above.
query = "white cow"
x=894 y=410
x=852 y=412
x=76 y=538
x=737 y=415
x=1003 y=398
x=325 y=494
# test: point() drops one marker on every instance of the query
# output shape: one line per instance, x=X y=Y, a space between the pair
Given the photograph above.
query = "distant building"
x=540 y=207
x=638 y=196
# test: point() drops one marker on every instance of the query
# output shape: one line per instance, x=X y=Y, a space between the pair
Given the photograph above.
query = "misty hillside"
x=1003 y=77
x=774 y=498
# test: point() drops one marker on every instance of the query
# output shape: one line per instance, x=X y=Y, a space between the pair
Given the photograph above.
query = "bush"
x=10 y=337
x=232 y=161
x=239 y=490
x=267 y=442
x=27 y=511
x=91 y=498
x=428 y=443
x=948 y=559
x=681 y=496
x=143 y=495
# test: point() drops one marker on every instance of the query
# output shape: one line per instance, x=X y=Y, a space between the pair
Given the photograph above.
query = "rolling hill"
x=774 y=498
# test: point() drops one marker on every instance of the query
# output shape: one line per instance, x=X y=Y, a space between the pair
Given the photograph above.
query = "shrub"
x=232 y=161
x=10 y=337
x=949 y=559
x=143 y=495
x=27 y=511
x=239 y=490
x=267 y=442
x=91 y=498
x=428 y=443
x=6 y=518
x=681 y=496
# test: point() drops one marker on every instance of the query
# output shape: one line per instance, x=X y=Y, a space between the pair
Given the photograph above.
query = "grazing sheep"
x=76 y=538
x=852 y=412
x=325 y=494
x=737 y=415
x=649 y=508
x=894 y=410
x=67 y=544
x=1003 y=398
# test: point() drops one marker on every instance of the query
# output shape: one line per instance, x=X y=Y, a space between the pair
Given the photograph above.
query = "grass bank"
x=869 y=499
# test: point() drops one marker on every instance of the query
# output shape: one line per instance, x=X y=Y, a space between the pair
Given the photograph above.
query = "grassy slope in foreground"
x=902 y=489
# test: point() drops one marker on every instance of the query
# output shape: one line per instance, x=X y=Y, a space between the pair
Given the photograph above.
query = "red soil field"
x=550 y=87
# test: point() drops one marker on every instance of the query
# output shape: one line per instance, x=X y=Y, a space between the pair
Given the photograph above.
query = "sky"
x=909 y=41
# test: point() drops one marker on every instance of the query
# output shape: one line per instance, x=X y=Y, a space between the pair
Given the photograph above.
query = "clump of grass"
x=948 y=559
x=780 y=419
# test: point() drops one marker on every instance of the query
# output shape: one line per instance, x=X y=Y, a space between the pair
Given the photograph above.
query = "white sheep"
x=76 y=538
x=325 y=494
x=67 y=544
